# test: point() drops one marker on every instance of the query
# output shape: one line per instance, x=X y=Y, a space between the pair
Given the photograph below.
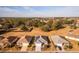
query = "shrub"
x=46 y=28
x=24 y=28
x=7 y=26
x=57 y=25
x=38 y=23
x=50 y=22
x=73 y=26
x=68 y=21
x=48 y=46
x=68 y=46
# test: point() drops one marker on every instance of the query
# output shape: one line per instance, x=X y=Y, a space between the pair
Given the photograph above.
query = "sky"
x=39 y=11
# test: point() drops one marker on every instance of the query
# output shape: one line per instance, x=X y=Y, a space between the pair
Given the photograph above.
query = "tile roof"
x=40 y=39
x=58 y=40
x=12 y=39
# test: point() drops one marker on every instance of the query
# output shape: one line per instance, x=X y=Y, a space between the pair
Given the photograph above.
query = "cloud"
x=34 y=11
x=64 y=11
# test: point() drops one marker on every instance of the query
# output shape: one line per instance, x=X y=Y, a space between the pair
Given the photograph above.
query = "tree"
x=68 y=21
x=46 y=28
x=7 y=26
x=37 y=23
x=24 y=28
x=50 y=22
x=57 y=25
x=73 y=26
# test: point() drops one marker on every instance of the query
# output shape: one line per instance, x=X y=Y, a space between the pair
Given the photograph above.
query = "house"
x=77 y=23
x=3 y=42
x=38 y=45
x=24 y=39
x=40 y=41
x=46 y=38
x=12 y=40
x=59 y=42
x=1 y=38
x=23 y=42
x=72 y=36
